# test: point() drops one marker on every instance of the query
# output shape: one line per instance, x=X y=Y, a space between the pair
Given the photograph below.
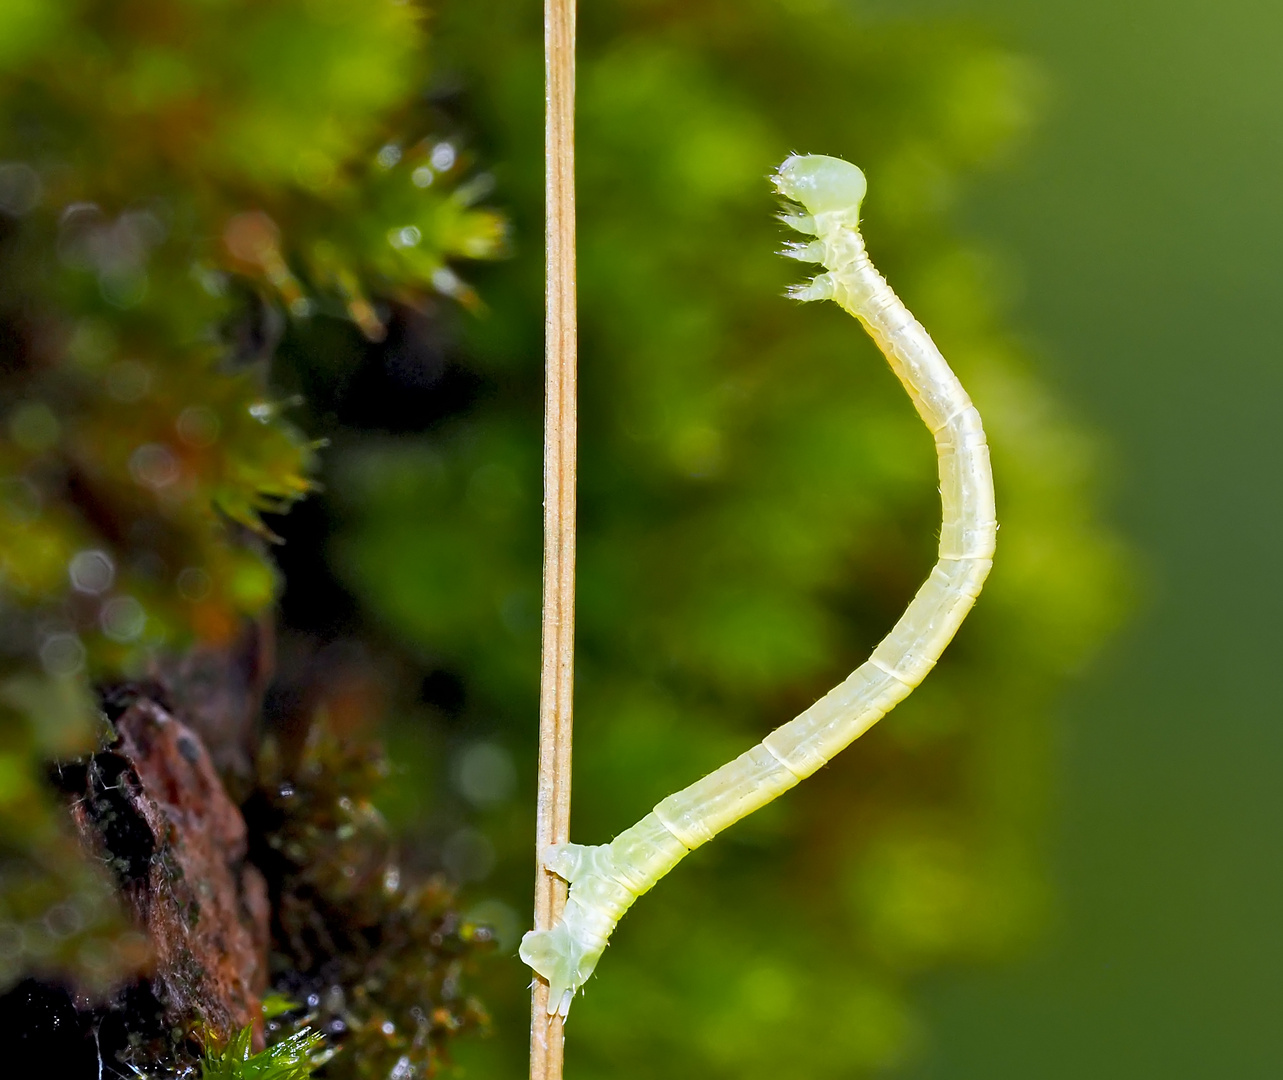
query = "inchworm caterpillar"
x=606 y=879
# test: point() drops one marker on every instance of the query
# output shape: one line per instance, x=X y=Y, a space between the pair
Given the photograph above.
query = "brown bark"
x=155 y=809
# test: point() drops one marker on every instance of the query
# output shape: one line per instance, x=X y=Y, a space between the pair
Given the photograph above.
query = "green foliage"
x=172 y=176
x=758 y=502
x=378 y=959
x=292 y=1058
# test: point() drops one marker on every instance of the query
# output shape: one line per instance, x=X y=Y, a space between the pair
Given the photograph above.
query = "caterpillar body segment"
x=606 y=879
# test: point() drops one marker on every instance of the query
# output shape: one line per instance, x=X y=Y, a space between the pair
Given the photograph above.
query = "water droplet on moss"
x=62 y=654
x=91 y=572
x=442 y=157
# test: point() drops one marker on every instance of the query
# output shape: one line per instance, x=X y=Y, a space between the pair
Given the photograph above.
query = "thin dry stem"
x=557 y=673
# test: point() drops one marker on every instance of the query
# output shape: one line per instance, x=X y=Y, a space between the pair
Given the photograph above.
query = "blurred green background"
x=1049 y=861
x=1148 y=228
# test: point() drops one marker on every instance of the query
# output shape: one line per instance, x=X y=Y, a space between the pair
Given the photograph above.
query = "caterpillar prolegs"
x=606 y=879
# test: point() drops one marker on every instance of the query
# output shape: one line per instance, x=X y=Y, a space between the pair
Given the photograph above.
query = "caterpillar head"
x=821 y=184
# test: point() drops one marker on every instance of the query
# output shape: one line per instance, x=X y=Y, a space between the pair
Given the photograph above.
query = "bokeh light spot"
x=484 y=774
x=92 y=572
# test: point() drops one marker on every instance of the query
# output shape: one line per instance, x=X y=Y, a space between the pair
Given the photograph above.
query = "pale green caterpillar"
x=606 y=879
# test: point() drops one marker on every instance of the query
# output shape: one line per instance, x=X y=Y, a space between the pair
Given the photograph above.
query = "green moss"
x=208 y=171
x=292 y=1058
x=377 y=961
